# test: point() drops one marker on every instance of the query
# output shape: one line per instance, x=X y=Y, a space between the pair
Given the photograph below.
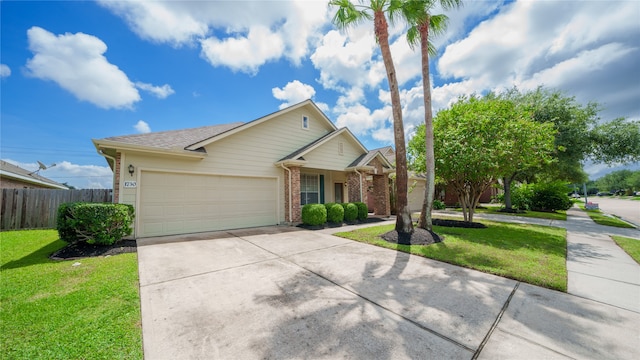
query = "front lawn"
x=629 y=245
x=529 y=253
x=599 y=218
x=77 y=309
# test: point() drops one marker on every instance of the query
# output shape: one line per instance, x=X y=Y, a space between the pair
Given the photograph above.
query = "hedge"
x=94 y=223
x=363 y=211
x=350 y=212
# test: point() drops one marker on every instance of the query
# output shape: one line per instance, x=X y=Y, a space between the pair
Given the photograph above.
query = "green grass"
x=54 y=310
x=599 y=218
x=529 y=253
x=494 y=210
x=629 y=245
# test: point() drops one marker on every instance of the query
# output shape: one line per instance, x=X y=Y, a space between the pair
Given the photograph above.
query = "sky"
x=72 y=71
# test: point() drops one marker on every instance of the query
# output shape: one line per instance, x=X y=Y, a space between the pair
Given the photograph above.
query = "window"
x=305 y=122
x=309 y=189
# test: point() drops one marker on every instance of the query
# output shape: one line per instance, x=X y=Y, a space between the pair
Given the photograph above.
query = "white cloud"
x=242 y=36
x=142 y=127
x=5 y=71
x=245 y=54
x=293 y=93
x=362 y=121
x=77 y=64
x=79 y=176
x=161 y=92
x=587 y=49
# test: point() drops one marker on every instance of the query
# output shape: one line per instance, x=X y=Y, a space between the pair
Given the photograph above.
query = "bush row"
x=95 y=223
x=541 y=197
x=318 y=214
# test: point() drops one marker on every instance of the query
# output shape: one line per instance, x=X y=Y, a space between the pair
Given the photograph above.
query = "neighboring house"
x=15 y=177
x=242 y=174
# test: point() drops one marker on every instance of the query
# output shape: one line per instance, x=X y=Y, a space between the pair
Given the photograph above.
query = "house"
x=242 y=174
x=15 y=177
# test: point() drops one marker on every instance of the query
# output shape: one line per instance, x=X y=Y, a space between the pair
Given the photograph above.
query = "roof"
x=191 y=142
x=15 y=172
x=174 y=139
x=364 y=159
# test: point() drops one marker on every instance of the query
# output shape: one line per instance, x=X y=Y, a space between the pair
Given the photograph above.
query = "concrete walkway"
x=281 y=292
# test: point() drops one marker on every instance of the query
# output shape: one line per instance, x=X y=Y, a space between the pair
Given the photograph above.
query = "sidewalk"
x=597 y=268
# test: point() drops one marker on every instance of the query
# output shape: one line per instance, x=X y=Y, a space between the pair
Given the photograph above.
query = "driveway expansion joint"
x=496 y=322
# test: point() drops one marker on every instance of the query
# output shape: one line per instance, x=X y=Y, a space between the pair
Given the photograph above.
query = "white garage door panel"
x=182 y=203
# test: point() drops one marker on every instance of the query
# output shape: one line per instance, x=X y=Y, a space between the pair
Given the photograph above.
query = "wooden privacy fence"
x=38 y=208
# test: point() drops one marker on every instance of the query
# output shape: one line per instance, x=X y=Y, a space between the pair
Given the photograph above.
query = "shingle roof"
x=25 y=175
x=175 y=139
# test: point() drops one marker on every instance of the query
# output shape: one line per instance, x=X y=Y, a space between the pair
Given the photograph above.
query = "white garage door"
x=173 y=203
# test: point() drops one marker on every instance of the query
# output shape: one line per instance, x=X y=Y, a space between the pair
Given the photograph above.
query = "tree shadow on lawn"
x=39 y=256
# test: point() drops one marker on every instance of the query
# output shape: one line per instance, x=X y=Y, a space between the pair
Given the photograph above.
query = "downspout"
x=359 y=175
x=290 y=207
x=113 y=178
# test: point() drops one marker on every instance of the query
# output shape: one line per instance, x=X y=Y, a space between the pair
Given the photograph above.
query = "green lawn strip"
x=54 y=310
x=529 y=253
x=629 y=245
x=494 y=210
x=599 y=218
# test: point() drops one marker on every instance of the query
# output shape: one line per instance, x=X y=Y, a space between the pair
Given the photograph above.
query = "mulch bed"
x=332 y=225
x=458 y=223
x=82 y=250
x=419 y=236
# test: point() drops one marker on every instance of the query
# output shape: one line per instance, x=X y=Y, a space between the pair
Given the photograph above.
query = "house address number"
x=130 y=184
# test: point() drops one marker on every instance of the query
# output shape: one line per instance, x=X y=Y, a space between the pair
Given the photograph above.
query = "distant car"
x=637 y=193
x=602 y=193
x=575 y=196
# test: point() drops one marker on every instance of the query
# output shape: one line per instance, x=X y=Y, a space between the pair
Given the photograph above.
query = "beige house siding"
x=416 y=194
x=327 y=155
x=236 y=155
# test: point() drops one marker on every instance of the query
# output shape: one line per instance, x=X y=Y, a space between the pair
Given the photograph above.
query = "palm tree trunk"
x=403 y=215
x=426 y=221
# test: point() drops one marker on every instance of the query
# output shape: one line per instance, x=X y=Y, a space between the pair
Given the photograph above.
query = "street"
x=628 y=210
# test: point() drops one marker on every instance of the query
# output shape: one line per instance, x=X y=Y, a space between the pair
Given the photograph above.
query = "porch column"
x=353 y=188
x=381 y=204
x=295 y=215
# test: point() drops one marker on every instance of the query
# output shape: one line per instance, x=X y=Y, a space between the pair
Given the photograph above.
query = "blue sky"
x=76 y=70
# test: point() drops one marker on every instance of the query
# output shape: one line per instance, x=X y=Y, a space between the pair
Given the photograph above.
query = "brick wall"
x=381 y=201
x=353 y=187
x=116 y=183
x=295 y=215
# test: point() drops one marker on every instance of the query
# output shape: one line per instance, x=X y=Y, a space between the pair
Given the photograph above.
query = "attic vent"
x=340 y=148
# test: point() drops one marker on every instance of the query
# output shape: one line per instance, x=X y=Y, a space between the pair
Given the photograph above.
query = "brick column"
x=353 y=187
x=382 y=205
x=116 y=181
x=295 y=215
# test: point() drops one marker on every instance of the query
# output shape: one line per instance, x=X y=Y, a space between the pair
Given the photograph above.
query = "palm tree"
x=349 y=14
x=422 y=25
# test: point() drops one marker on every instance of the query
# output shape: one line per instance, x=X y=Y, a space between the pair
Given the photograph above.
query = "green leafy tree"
x=422 y=25
x=619 y=180
x=617 y=141
x=349 y=14
x=477 y=141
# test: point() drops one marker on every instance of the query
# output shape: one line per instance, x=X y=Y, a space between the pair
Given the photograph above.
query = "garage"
x=177 y=203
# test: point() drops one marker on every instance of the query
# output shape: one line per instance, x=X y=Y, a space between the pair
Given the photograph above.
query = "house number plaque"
x=130 y=184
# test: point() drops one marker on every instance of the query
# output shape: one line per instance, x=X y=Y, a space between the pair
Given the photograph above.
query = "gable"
x=335 y=153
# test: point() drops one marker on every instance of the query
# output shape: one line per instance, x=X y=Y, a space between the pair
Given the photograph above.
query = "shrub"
x=350 y=212
x=521 y=196
x=314 y=214
x=550 y=197
x=335 y=214
x=328 y=206
x=439 y=205
x=363 y=211
x=95 y=223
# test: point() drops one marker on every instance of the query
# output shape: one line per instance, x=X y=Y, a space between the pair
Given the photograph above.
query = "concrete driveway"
x=284 y=293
